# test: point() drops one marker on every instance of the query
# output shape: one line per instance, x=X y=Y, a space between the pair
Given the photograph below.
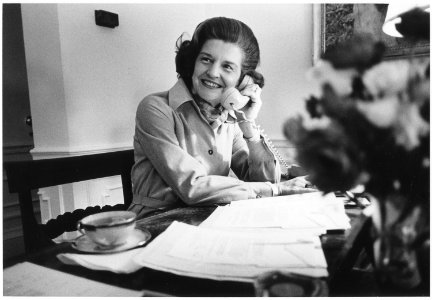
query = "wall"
x=86 y=81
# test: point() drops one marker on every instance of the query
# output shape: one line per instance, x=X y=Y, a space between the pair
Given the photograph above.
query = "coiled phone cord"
x=275 y=152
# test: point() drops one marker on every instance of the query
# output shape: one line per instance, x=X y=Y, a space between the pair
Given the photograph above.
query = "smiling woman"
x=217 y=68
x=186 y=143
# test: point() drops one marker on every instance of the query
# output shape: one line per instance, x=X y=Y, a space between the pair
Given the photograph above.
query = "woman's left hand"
x=296 y=185
x=250 y=111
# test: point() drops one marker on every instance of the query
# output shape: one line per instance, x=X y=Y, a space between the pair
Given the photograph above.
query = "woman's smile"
x=210 y=84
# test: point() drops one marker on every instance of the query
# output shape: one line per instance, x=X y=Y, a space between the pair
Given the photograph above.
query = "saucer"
x=137 y=238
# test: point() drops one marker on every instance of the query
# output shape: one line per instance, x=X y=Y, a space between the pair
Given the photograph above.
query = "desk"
x=163 y=282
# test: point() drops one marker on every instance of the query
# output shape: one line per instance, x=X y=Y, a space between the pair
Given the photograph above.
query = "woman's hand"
x=250 y=111
x=298 y=185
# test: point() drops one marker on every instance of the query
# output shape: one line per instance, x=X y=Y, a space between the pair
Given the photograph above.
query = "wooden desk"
x=163 y=282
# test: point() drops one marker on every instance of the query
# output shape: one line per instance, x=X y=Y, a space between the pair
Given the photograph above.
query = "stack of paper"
x=311 y=212
x=246 y=238
x=231 y=255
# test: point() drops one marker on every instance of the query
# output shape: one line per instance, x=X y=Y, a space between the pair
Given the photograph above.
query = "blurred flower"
x=381 y=113
x=369 y=125
x=387 y=78
x=340 y=80
x=328 y=153
x=410 y=127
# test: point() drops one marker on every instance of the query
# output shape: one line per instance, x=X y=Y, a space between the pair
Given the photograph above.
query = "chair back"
x=25 y=176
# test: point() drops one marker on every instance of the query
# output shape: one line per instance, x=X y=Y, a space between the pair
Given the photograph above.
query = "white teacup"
x=108 y=229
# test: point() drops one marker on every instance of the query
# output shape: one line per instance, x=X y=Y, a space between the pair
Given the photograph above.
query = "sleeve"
x=155 y=129
x=254 y=160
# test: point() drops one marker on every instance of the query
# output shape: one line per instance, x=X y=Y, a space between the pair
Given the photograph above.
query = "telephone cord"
x=275 y=151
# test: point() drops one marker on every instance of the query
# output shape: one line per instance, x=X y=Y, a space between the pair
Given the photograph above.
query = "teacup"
x=108 y=229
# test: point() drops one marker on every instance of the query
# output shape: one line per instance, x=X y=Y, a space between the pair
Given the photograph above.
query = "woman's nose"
x=213 y=71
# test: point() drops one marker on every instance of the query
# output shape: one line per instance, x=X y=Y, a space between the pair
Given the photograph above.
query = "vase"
x=400 y=246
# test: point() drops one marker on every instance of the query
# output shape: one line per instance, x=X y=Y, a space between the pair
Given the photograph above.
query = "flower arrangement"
x=369 y=125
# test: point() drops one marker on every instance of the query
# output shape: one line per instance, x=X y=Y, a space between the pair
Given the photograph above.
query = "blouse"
x=180 y=160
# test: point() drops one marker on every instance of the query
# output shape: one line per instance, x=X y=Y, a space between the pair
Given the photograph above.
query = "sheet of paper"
x=28 y=279
x=239 y=256
x=312 y=211
x=249 y=248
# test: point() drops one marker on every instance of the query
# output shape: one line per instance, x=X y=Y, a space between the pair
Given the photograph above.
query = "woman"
x=186 y=143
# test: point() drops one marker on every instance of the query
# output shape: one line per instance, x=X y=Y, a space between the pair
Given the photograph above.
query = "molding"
x=63 y=151
x=61 y=193
x=318 y=20
x=44 y=201
x=12 y=233
x=12 y=226
x=14 y=149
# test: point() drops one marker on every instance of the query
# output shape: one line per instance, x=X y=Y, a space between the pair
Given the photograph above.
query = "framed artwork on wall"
x=341 y=21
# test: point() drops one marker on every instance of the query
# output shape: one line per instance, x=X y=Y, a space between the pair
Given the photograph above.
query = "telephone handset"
x=232 y=99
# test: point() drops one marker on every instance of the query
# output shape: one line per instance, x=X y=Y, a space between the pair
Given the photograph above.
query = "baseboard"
x=16 y=149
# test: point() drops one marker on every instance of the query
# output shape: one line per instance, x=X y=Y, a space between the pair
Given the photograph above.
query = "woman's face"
x=217 y=67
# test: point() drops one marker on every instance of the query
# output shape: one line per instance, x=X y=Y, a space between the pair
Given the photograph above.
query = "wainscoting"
x=13 y=243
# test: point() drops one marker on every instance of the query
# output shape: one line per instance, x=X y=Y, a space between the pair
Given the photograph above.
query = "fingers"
x=253 y=91
x=299 y=182
x=240 y=114
x=297 y=185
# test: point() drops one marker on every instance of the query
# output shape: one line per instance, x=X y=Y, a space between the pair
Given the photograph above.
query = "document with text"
x=232 y=255
x=313 y=212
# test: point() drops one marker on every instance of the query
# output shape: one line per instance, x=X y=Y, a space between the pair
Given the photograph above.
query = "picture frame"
x=339 y=22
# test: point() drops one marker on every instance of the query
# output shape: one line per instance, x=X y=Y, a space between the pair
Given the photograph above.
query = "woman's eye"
x=205 y=59
x=229 y=67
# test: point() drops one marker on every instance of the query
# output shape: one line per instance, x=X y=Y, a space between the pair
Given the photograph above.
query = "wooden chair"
x=25 y=176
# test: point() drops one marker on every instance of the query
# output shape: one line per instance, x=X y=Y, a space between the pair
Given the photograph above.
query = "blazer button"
x=210 y=152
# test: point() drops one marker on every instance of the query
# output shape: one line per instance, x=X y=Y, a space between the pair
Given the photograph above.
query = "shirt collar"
x=180 y=94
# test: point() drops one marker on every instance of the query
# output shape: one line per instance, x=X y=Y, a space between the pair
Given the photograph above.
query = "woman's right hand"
x=298 y=185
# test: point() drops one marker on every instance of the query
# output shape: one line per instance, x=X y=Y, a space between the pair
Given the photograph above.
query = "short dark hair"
x=227 y=30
